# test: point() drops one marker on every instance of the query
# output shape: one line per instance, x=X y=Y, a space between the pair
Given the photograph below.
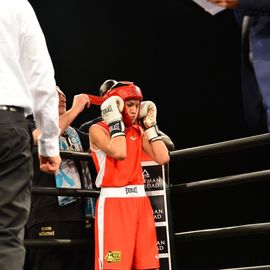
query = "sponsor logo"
x=107 y=110
x=113 y=256
x=115 y=127
x=146 y=174
x=46 y=231
x=133 y=138
x=131 y=190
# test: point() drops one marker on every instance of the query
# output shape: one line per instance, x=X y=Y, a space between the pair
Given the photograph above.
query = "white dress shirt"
x=26 y=71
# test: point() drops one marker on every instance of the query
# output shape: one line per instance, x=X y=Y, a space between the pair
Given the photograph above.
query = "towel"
x=68 y=176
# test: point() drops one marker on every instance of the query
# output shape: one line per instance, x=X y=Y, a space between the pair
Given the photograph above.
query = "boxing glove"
x=111 y=110
x=148 y=116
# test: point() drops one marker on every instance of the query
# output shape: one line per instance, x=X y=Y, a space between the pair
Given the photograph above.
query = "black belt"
x=11 y=108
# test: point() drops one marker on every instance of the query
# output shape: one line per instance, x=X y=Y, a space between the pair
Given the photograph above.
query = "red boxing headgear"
x=125 y=90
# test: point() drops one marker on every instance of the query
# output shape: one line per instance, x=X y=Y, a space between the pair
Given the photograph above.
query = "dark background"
x=188 y=62
x=184 y=59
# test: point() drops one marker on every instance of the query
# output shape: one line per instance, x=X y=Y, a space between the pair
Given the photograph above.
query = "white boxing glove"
x=111 y=110
x=148 y=116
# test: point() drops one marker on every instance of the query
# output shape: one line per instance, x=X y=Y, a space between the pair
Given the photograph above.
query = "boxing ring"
x=161 y=189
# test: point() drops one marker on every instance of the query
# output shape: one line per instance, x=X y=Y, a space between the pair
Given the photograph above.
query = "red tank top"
x=119 y=173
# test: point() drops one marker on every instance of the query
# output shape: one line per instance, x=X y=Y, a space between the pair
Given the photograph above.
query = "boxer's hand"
x=148 y=113
x=148 y=116
x=111 y=110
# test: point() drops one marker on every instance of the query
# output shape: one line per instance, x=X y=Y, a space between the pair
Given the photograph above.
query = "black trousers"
x=61 y=258
x=16 y=172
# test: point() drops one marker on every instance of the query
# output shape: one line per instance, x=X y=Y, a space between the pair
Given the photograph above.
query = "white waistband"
x=123 y=192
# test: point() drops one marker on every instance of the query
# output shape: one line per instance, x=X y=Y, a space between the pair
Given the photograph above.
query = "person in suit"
x=254 y=17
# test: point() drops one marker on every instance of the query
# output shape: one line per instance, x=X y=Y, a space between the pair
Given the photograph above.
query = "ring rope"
x=247 y=229
x=262 y=175
x=221 y=147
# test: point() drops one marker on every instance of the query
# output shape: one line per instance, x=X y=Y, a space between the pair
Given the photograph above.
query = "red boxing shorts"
x=125 y=232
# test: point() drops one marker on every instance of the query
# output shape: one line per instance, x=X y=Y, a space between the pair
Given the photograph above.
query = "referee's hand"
x=49 y=164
